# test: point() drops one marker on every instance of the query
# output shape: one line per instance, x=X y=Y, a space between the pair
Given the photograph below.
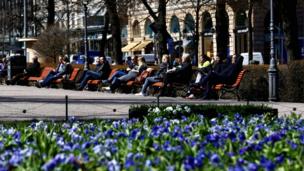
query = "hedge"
x=209 y=111
x=254 y=86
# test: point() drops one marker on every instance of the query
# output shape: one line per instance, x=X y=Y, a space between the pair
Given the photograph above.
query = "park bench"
x=70 y=81
x=98 y=83
x=44 y=73
x=133 y=85
x=233 y=88
x=222 y=89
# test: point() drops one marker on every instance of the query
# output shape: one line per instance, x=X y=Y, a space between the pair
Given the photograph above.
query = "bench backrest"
x=74 y=74
x=146 y=73
x=113 y=71
x=45 y=72
x=239 y=78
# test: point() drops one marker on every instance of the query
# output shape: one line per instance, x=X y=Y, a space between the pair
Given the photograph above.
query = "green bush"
x=209 y=111
x=254 y=86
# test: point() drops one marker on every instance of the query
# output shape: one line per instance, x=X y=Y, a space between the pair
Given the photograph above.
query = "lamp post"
x=85 y=6
x=24 y=26
x=272 y=71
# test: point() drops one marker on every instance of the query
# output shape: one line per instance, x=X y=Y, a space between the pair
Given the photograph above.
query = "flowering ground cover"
x=156 y=143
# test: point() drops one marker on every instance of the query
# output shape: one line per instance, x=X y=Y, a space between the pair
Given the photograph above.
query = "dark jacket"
x=104 y=69
x=33 y=69
x=162 y=70
x=184 y=74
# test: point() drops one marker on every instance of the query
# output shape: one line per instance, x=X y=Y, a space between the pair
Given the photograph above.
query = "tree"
x=111 y=6
x=51 y=13
x=290 y=27
x=51 y=43
x=160 y=21
x=222 y=33
x=196 y=5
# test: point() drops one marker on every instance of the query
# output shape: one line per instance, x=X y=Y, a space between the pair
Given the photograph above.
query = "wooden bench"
x=72 y=78
x=139 y=80
x=44 y=73
x=177 y=89
x=98 y=83
x=234 y=88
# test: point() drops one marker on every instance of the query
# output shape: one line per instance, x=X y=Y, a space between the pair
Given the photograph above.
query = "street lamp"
x=85 y=41
x=85 y=6
x=24 y=26
x=272 y=71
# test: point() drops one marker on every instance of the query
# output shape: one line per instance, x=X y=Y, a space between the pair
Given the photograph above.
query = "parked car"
x=257 y=58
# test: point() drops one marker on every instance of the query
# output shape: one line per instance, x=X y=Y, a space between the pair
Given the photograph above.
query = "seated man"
x=120 y=73
x=101 y=72
x=157 y=77
x=32 y=70
x=132 y=74
x=3 y=69
x=225 y=76
x=180 y=74
x=63 y=69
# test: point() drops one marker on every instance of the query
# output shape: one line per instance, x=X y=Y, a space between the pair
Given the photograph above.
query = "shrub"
x=254 y=86
x=209 y=111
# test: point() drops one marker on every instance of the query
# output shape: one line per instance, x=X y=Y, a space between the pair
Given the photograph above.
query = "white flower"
x=187 y=109
x=156 y=110
x=174 y=112
x=169 y=109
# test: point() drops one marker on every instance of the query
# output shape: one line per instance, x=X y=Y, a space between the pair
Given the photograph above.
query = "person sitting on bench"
x=63 y=69
x=157 y=77
x=32 y=70
x=101 y=72
x=226 y=76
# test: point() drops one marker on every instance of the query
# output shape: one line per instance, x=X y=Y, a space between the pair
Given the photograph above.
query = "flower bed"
x=188 y=143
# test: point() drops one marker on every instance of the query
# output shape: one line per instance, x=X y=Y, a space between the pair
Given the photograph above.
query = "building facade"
x=181 y=21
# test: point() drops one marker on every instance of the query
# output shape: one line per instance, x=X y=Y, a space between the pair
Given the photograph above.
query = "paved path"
x=27 y=103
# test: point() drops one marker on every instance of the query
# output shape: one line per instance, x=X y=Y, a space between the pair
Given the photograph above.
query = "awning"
x=129 y=47
x=27 y=40
x=141 y=46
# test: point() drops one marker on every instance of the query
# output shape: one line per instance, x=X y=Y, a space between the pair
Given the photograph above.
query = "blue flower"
x=236 y=168
x=215 y=159
x=279 y=159
x=242 y=136
x=302 y=139
x=267 y=164
x=252 y=167
x=293 y=145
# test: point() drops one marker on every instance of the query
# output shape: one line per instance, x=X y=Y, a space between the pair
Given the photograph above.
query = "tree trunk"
x=111 y=6
x=222 y=34
x=51 y=13
x=162 y=29
x=290 y=27
x=250 y=31
x=104 y=35
x=196 y=35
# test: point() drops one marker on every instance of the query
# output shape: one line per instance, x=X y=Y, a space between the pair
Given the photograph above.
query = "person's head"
x=102 y=60
x=165 y=58
x=65 y=59
x=141 y=60
x=60 y=59
x=186 y=58
x=35 y=59
x=135 y=60
x=216 y=59
x=205 y=58
x=177 y=60
x=129 y=58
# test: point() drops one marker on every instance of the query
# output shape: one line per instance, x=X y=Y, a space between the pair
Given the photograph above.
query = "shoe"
x=139 y=94
x=38 y=84
x=107 y=88
x=191 y=96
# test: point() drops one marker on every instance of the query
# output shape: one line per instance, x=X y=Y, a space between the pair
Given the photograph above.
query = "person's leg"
x=147 y=83
x=47 y=82
x=129 y=76
x=115 y=84
x=116 y=74
x=89 y=75
x=198 y=77
x=82 y=76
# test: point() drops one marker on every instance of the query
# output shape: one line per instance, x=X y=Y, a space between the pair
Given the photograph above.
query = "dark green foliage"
x=209 y=111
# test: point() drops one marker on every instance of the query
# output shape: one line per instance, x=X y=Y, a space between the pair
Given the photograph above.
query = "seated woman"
x=132 y=74
x=157 y=77
x=204 y=67
x=63 y=69
x=101 y=72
